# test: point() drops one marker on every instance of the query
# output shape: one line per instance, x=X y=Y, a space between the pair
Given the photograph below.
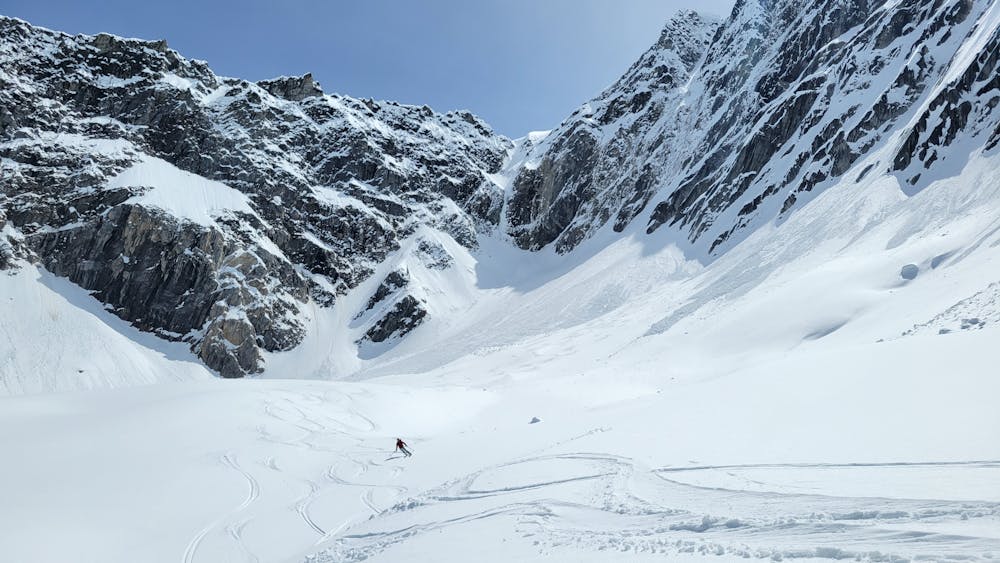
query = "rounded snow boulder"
x=909 y=271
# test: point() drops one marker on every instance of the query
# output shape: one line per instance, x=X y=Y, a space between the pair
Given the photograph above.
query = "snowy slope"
x=786 y=461
x=772 y=405
x=56 y=337
x=821 y=388
x=181 y=194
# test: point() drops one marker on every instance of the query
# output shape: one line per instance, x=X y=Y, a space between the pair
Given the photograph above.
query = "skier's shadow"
x=394 y=457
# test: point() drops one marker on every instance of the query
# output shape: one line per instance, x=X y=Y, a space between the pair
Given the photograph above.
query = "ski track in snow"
x=302 y=508
x=288 y=414
x=590 y=501
x=668 y=516
x=235 y=530
x=309 y=468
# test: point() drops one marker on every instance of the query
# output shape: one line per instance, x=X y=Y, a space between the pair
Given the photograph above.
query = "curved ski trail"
x=236 y=530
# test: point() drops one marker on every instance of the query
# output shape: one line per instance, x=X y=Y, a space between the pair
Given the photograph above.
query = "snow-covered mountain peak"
x=235 y=215
x=683 y=37
x=107 y=143
x=784 y=98
x=562 y=199
x=294 y=88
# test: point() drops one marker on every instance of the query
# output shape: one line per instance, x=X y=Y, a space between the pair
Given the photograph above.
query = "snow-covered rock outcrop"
x=209 y=209
x=722 y=127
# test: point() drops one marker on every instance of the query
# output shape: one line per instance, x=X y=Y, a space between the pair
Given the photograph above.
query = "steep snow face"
x=212 y=210
x=787 y=97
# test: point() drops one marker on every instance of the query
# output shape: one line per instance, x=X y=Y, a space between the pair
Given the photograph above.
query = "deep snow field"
x=797 y=398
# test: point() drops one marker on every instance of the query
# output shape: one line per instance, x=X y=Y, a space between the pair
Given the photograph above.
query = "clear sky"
x=521 y=65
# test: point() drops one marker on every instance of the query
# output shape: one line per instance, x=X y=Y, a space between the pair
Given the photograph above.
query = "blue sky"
x=520 y=64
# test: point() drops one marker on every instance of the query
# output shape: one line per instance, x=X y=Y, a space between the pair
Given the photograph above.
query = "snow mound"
x=55 y=337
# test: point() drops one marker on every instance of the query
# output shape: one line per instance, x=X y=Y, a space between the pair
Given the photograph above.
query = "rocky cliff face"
x=212 y=210
x=603 y=162
x=105 y=143
x=748 y=118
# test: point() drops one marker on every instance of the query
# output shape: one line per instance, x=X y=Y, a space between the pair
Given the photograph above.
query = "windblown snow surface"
x=794 y=399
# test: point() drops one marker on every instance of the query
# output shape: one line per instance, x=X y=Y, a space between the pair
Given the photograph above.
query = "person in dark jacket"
x=401 y=447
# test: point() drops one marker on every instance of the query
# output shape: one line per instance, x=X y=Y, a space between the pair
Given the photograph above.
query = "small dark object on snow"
x=401 y=446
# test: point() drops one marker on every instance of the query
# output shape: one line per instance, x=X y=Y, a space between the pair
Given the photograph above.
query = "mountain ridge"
x=334 y=213
x=720 y=128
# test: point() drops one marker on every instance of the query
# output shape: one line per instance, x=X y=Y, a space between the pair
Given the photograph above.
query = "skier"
x=401 y=446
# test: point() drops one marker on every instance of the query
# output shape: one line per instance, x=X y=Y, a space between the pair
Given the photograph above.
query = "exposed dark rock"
x=433 y=255
x=405 y=316
x=396 y=279
x=783 y=98
x=967 y=103
x=294 y=88
x=335 y=184
x=591 y=169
